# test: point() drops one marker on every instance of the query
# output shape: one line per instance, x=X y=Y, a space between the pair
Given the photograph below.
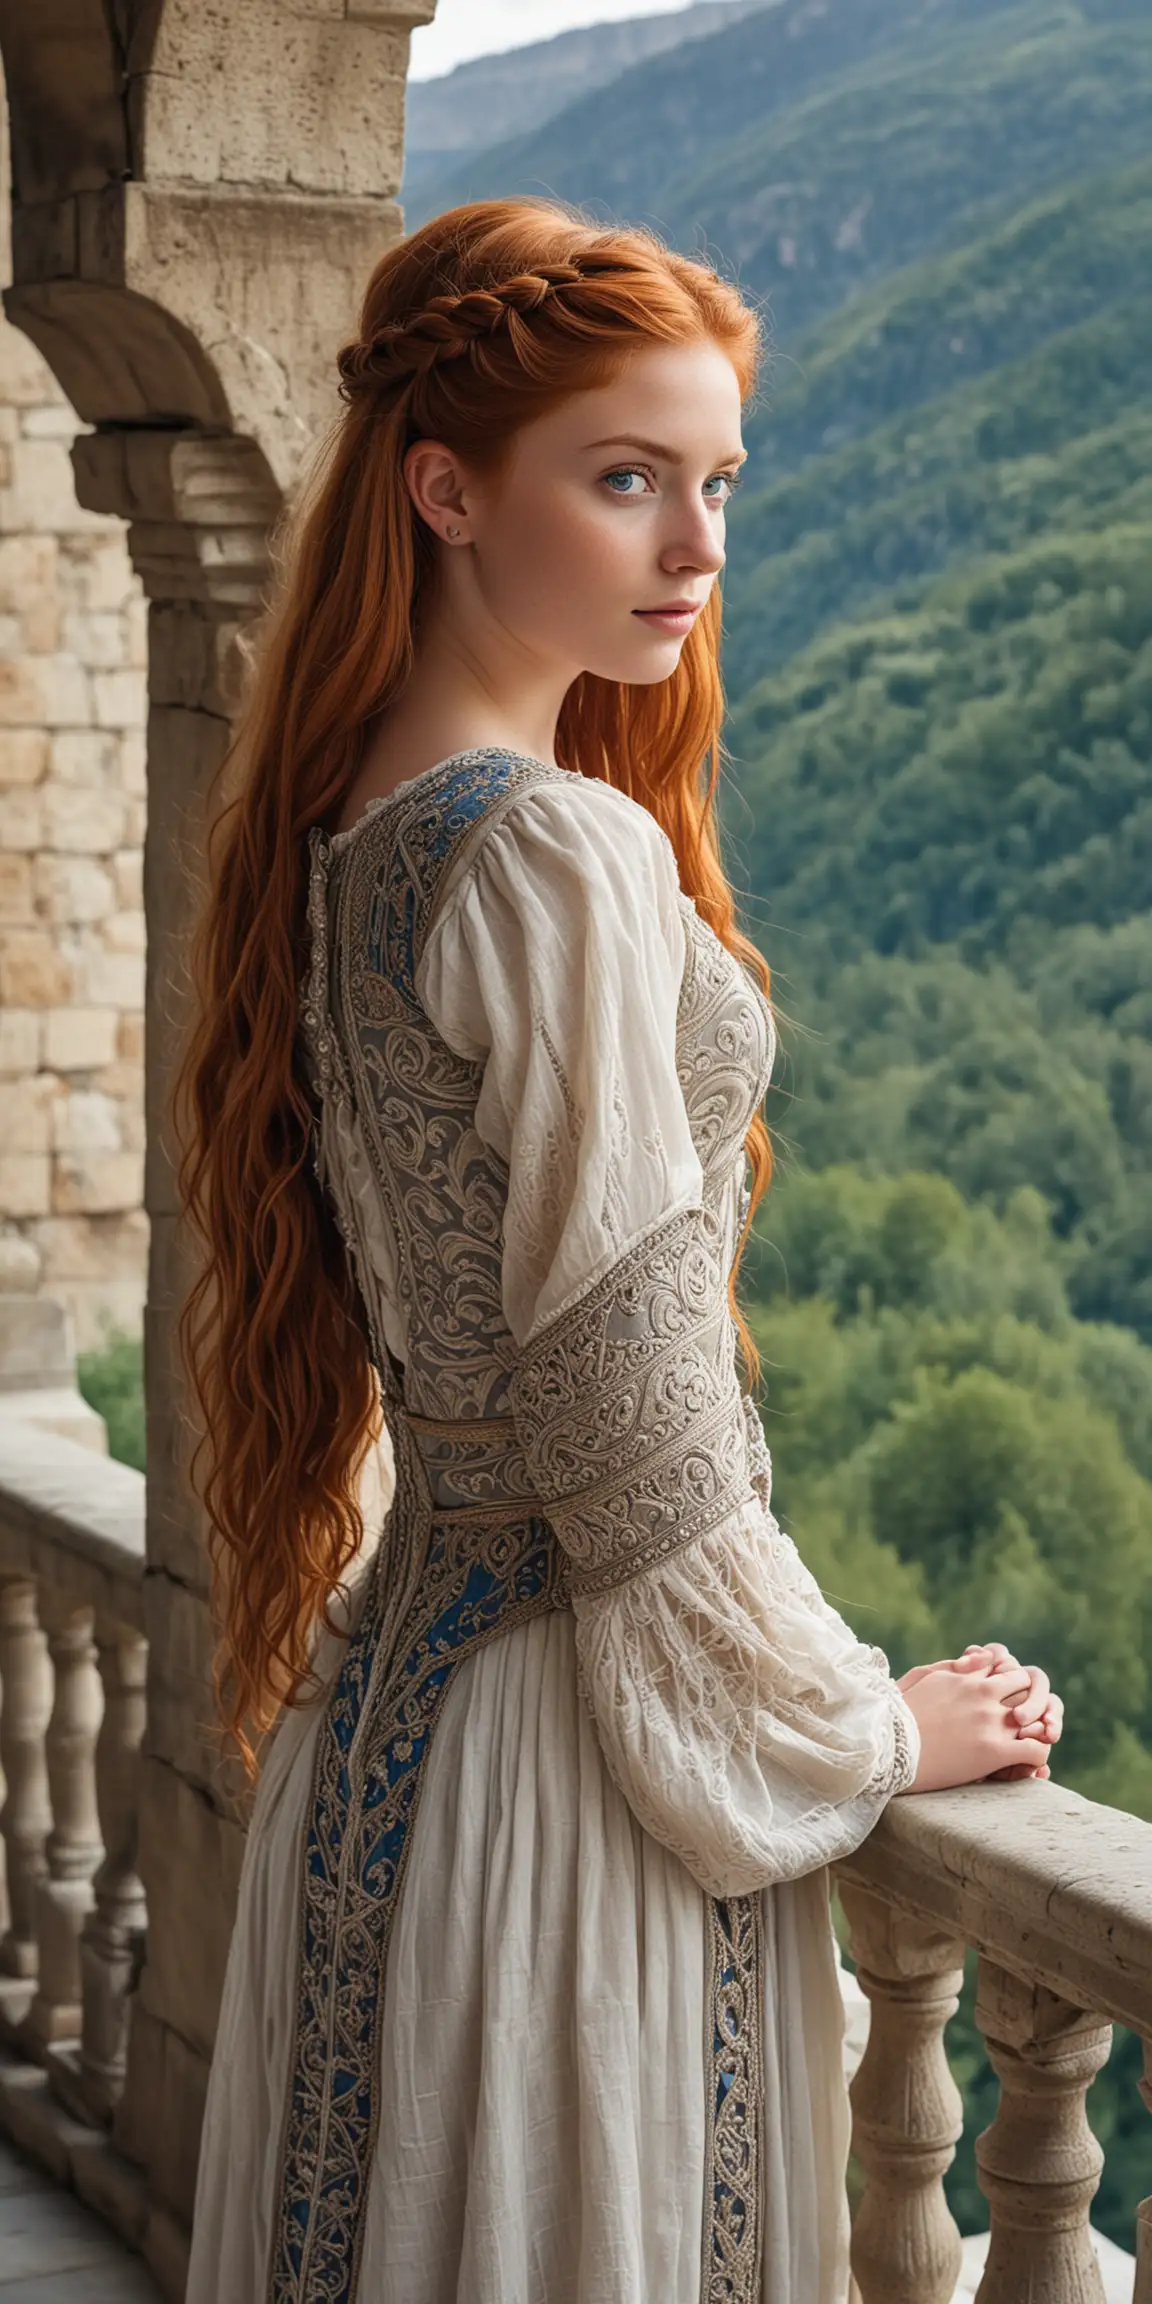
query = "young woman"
x=532 y=1997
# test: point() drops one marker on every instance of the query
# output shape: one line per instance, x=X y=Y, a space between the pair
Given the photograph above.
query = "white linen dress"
x=532 y=1996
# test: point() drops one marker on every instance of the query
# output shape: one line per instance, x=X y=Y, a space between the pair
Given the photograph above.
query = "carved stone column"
x=90 y=2081
x=1039 y=2163
x=64 y=1896
x=906 y=2107
x=26 y=1820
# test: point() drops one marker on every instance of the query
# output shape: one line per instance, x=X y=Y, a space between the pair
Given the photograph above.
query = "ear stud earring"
x=453 y=531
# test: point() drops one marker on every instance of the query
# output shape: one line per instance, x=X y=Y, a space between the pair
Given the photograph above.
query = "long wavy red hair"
x=484 y=319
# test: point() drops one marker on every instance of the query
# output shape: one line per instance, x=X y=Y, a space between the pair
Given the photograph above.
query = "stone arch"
x=200 y=189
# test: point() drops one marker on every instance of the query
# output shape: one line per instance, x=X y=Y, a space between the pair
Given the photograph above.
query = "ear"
x=435 y=481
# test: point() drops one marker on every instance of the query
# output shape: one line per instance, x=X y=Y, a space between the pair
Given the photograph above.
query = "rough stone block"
x=106 y=979
x=120 y=699
x=35 y=1343
x=194 y=659
x=20 y=1035
x=21 y=1265
x=124 y=932
x=53 y=421
x=159 y=2120
x=190 y=1858
x=22 y=817
x=25 y=379
x=85 y=1122
x=73 y=888
x=22 y=696
x=77 y=1249
x=100 y=570
x=128 y=879
x=17 y=894
x=67 y=693
x=32 y=973
x=80 y=820
x=27 y=567
x=25 y=1183
x=96 y=636
x=100 y=1182
x=23 y=756
x=43 y=494
x=86 y=756
x=31 y=1107
x=77 y=1039
x=182 y=1727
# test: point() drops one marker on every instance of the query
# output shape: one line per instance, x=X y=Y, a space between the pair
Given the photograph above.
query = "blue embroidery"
x=733 y=2237
x=374 y=1748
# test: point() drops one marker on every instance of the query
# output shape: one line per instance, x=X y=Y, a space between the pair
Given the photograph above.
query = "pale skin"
x=591 y=549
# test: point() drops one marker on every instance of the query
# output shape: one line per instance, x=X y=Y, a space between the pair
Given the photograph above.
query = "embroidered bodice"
x=534 y=1067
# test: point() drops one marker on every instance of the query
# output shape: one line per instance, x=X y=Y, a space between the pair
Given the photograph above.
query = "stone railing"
x=1055 y=1894
x=72 y=1694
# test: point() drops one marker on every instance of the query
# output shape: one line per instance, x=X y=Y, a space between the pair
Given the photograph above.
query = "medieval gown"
x=532 y=1996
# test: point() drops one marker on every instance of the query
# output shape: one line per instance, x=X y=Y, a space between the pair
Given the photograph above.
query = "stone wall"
x=72 y=783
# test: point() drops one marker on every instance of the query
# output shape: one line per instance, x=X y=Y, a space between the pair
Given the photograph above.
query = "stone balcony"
x=1053 y=1892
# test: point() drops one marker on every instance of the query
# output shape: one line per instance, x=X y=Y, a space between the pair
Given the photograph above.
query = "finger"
x=1030 y=1752
x=1011 y=1682
x=1040 y=1689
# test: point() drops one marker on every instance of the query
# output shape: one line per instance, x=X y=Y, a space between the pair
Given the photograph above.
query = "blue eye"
x=626 y=472
x=732 y=481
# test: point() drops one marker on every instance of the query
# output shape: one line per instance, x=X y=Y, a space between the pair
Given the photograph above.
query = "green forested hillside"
x=1031 y=435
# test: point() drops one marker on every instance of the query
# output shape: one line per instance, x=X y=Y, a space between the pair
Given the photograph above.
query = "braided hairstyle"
x=574 y=298
x=486 y=318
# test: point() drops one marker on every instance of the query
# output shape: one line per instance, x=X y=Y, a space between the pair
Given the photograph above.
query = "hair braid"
x=451 y=324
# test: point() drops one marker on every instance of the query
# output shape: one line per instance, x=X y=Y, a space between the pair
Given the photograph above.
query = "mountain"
x=965 y=407
x=487 y=100
x=618 y=146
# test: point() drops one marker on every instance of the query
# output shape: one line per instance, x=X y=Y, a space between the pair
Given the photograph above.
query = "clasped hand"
x=982 y=1718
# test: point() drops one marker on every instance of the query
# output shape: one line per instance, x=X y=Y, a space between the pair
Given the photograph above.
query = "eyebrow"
x=657 y=448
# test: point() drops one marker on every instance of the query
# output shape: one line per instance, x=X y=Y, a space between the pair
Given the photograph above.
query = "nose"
x=698 y=539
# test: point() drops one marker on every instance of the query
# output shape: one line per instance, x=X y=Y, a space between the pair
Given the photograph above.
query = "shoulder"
x=561 y=839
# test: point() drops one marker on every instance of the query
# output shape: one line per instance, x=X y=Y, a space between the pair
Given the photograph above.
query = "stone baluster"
x=906 y=2108
x=1142 y=2293
x=112 y=1938
x=1039 y=2163
x=25 y=1705
x=64 y=1897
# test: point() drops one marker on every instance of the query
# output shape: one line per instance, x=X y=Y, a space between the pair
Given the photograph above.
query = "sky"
x=464 y=28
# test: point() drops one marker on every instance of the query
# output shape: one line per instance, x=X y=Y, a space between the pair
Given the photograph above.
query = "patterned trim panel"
x=733 y=2218
x=629 y=1410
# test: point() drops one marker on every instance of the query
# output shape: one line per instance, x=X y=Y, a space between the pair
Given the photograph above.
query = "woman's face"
x=599 y=539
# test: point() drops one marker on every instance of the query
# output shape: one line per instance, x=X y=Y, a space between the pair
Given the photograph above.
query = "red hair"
x=484 y=319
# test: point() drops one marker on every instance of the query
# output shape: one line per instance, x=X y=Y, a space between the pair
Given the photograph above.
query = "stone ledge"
x=72 y=1519
x=1055 y=1888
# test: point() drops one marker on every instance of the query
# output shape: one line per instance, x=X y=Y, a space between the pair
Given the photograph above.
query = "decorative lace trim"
x=734 y=2005
x=372 y=1753
x=628 y=1407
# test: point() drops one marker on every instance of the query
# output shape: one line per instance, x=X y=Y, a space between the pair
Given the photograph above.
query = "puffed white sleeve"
x=749 y=1729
